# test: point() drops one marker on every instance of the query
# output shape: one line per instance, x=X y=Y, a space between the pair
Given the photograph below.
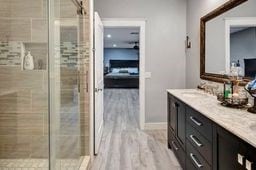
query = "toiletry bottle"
x=227 y=89
x=28 y=62
x=233 y=70
x=238 y=68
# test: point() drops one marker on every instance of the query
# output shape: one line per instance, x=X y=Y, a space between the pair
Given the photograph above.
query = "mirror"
x=228 y=35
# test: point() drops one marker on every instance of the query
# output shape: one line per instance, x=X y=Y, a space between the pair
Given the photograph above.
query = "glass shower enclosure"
x=44 y=97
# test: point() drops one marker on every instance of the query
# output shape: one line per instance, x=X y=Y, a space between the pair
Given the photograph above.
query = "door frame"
x=141 y=24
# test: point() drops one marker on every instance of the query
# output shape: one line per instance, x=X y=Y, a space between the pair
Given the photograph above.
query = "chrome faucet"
x=209 y=88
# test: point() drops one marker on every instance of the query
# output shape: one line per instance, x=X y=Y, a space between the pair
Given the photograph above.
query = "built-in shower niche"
x=12 y=54
x=39 y=51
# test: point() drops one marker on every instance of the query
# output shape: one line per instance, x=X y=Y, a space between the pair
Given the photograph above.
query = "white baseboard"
x=156 y=126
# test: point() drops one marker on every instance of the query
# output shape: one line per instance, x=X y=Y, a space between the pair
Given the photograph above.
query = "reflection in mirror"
x=226 y=45
x=243 y=50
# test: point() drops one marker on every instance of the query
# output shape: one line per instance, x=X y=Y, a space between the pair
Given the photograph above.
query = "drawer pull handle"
x=195 y=121
x=174 y=146
x=195 y=140
x=192 y=156
x=176 y=104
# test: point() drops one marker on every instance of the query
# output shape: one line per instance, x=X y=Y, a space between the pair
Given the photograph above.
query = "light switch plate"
x=248 y=165
x=147 y=75
x=240 y=159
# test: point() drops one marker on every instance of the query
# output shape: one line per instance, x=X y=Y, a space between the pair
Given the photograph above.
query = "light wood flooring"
x=124 y=146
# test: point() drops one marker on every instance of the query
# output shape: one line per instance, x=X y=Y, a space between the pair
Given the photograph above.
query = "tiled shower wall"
x=24 y=94
x=25 y=23
x=22 y=23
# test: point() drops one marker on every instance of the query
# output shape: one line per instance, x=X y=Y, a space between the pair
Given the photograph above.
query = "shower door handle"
x=87 y=81
x=78 y=82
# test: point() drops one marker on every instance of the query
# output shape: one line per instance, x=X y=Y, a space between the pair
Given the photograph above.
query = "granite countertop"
x=238 y=121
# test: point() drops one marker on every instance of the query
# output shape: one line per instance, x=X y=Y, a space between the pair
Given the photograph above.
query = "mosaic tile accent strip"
x=10 y=53
x=73 y=54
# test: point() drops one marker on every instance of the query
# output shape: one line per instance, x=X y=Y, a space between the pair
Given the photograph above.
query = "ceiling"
x=121 y=37
x=238 y=29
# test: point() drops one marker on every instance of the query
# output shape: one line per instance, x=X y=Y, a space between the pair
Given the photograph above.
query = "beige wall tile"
x=67 y=9
x=15 y=29
x=15 y=146
x=26 y=8
x=15 y=79
x=5 y=8
x=39 y=146
x=69 y=147
x=39 y=101
x=39 y=30
x=21 y=124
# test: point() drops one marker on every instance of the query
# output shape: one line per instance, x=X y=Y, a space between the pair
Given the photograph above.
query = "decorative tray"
x=233 y=102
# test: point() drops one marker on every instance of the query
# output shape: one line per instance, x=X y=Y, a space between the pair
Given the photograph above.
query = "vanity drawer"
x=195 y=158
x=189 y=165
x=177 y=149
x=199 y=122
x=200 y=143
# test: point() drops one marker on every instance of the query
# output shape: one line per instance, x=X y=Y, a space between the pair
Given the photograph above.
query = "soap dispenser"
x=28 y=62
x=233 y=70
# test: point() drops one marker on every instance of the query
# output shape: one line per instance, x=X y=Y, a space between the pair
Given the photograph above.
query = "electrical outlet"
x=240 y=159
x=147 y=75
x=248 y=165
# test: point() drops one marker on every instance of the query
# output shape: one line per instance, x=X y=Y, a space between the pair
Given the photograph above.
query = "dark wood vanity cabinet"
x=227 y=149
x=200 y=143
x=177 y=128
x=232 y=153
x=177 y=119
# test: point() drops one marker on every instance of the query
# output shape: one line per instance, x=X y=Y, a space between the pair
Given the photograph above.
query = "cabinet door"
x=181 y=119
x=249 y=153
x=172 y=114
x=227 y=151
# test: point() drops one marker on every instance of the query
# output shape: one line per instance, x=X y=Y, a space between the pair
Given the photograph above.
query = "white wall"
x=196 y=10
x=165 y=47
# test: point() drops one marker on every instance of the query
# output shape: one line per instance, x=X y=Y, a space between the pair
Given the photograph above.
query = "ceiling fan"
x=136 y=45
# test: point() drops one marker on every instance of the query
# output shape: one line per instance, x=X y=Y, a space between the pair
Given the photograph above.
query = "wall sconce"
x=188 y=43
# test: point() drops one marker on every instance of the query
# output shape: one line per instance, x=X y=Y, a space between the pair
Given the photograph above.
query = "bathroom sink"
x=253 y=127
x=192 y=94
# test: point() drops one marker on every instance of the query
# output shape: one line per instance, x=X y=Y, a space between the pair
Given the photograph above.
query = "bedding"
x=130 y=70
x=124 y=74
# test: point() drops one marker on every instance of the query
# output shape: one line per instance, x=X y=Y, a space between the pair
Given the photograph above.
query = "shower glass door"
x=68 y=81
x=44 y=103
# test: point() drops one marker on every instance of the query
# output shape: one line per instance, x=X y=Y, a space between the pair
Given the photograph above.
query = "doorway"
x=137 y=29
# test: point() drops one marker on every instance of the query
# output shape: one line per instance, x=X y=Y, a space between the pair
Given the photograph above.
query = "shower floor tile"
x=36 y=164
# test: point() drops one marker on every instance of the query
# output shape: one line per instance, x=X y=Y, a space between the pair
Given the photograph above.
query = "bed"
x=122 y=74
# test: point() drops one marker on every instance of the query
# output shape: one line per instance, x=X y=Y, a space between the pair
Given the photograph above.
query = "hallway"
x=124 y=146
